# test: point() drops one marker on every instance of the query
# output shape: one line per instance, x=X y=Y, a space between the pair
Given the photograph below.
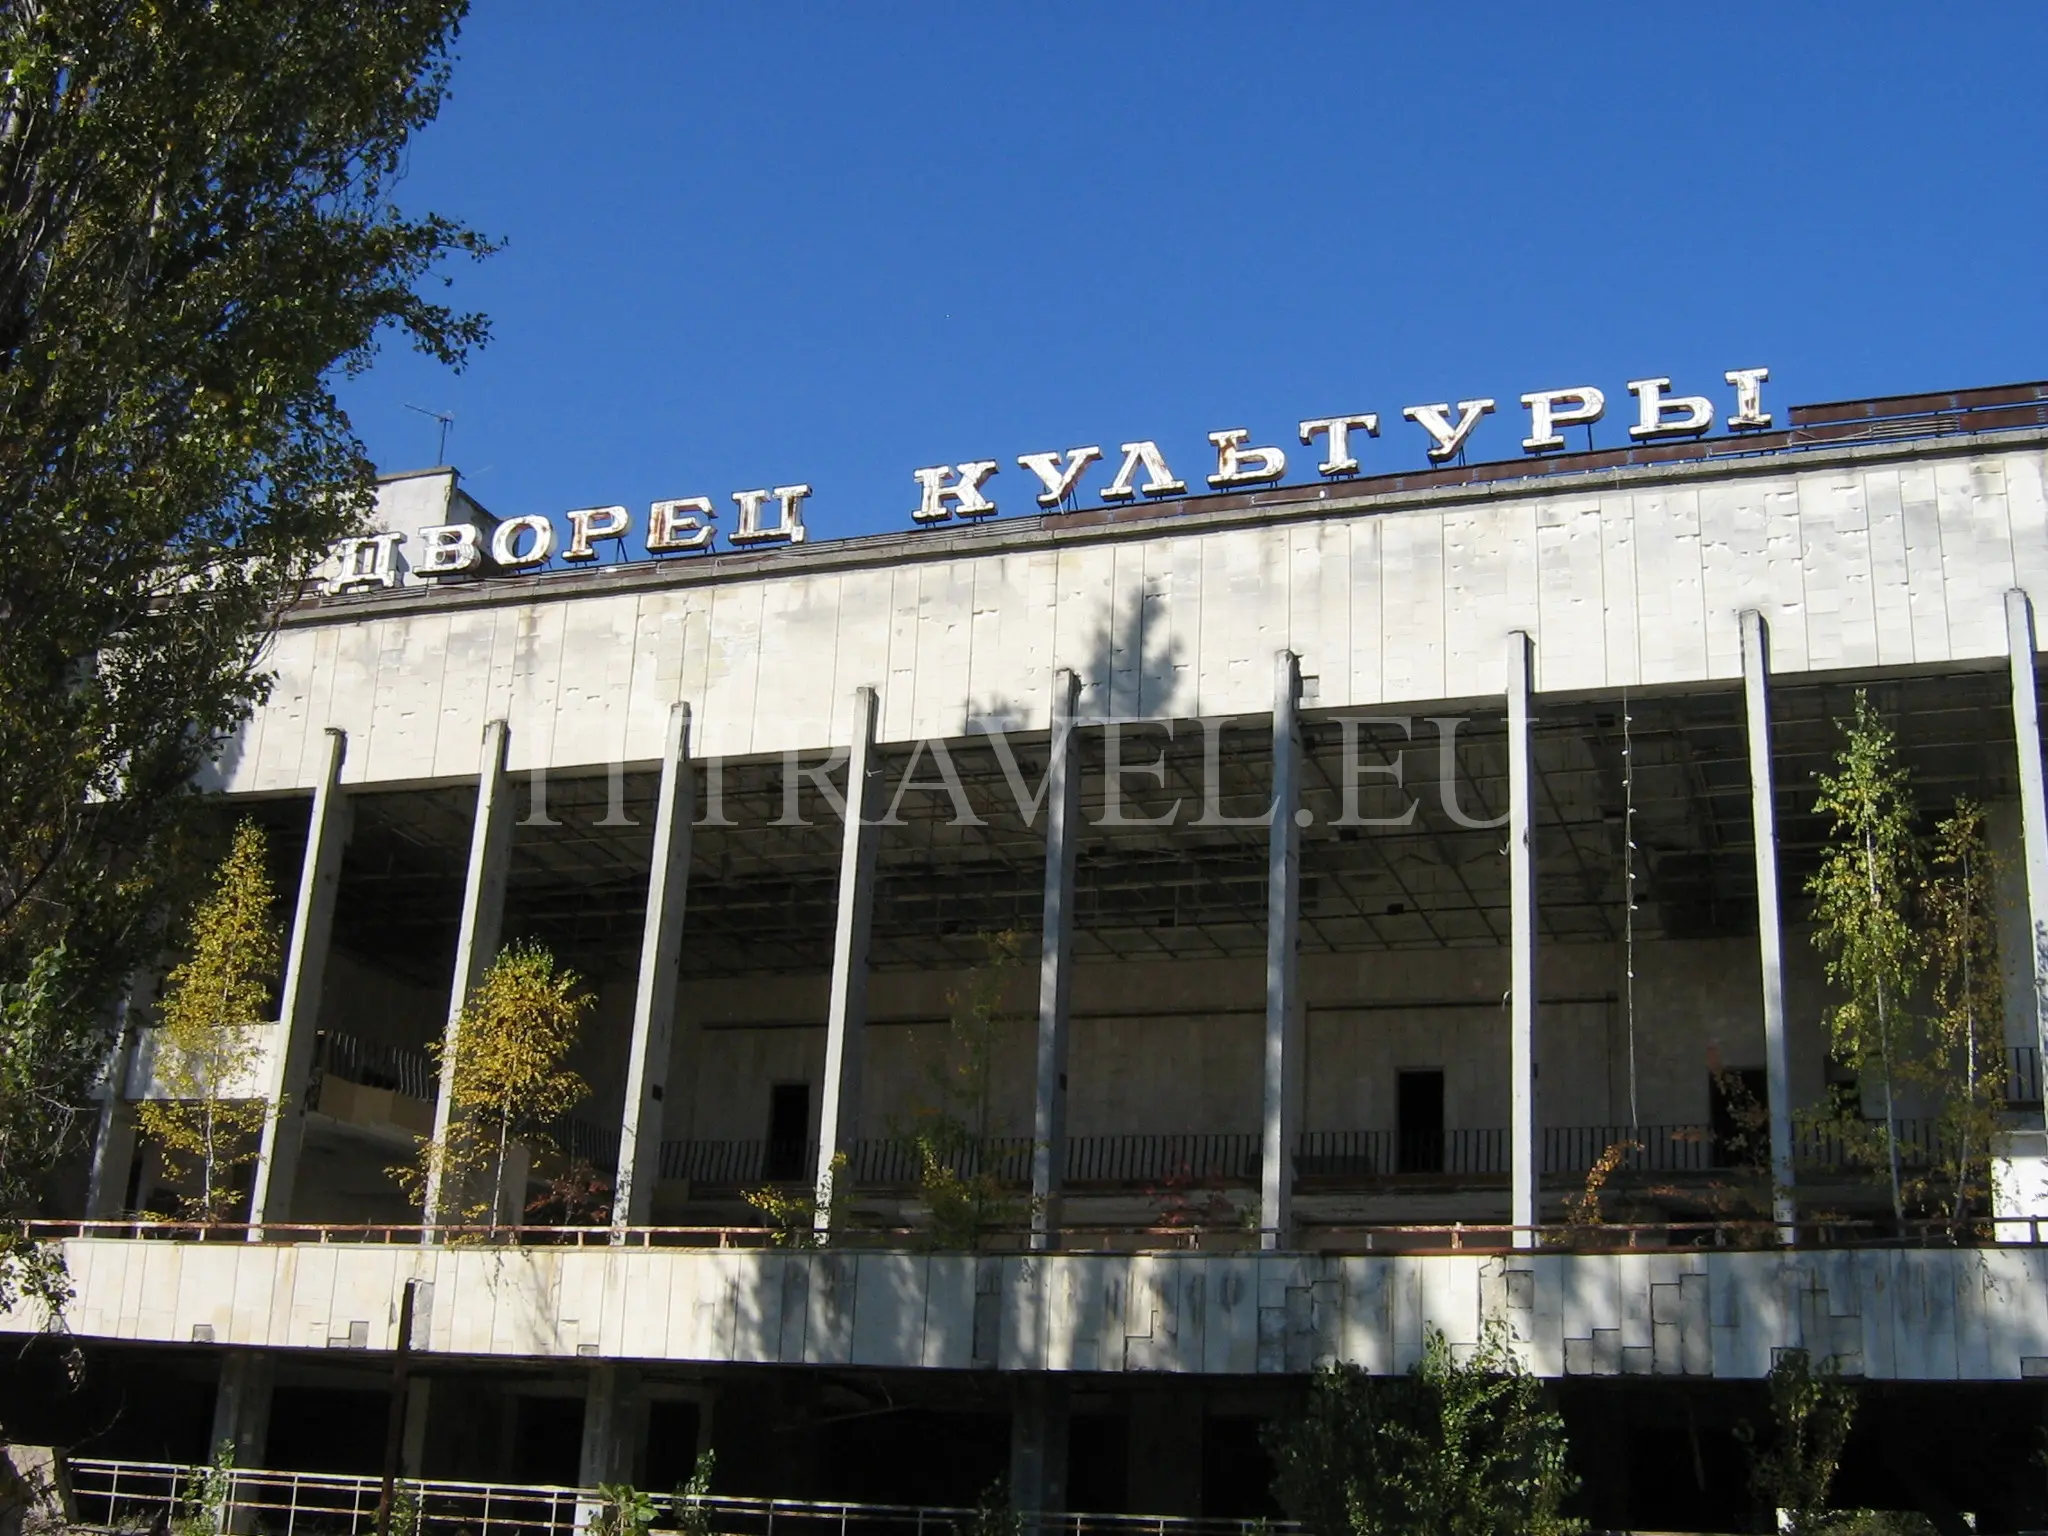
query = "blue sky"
x=752 y=245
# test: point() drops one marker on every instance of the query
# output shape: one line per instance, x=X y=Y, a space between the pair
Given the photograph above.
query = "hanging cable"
x=1628 y=916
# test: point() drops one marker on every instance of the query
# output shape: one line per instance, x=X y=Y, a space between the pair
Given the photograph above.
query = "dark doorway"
x=547 y=1441
x=317 y=1429
x=1419 y=1122
x=1739 y=1101
x=789 y=1123
x=671 y=1443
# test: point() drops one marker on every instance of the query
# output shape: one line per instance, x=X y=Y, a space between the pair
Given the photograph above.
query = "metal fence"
x=2023 y=1074
x=1233 y=1157
x=342 y=1055
x=109 y=1495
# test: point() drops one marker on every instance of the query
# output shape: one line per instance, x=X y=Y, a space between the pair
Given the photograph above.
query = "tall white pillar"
x=298 y=1004
x=654 y=998
x=1770 y=933
x=1524 y=1151
x=1281 y=1107
x=1039 y=1423
x=113 y=1143
x=611 y=1428
x=1056 y=963
x=847 y=1007
x=2026 y=724
x=476 y=940
x=241 y=1408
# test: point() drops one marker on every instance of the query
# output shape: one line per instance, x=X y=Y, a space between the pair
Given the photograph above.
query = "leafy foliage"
x=209 y=1490
x=624 y=1510
x=965 y=1198
x=687 y=1507
x=1453 y=1449
x=1583 y=1209
x=793 y=1213
x=196 y=233
x=578 y=1196
x=1862 y=896
x=47 y=1068
x=508 y=1085
x=205 y=1047
x=1794 y=1469
x=1963 y=1067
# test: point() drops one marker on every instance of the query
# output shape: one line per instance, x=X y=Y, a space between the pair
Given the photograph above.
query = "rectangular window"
x=1419 y=1122
x=789 y=1124
x=1739 y=1100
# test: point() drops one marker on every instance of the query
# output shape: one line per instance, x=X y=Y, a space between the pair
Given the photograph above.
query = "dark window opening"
x=789 y=1123
x=1419 y=1122
x=1739 y=1100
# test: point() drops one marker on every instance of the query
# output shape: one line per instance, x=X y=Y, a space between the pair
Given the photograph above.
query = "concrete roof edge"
x=1110 y=524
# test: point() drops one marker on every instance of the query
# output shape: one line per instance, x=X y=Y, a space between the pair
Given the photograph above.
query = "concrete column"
x=298 y=1004
x=1038 y=1447
x=113 y=1144
x=654 y=999
x=241 y=1405
x=1281 y=1108
x=1524 y=1144
x=476 y=940
x=412 y=1444
x=611 y=1425
x=1164 y=1473
x=1056 y=963
x=847 y=1008
x=2026 y=724
x=1770 y=933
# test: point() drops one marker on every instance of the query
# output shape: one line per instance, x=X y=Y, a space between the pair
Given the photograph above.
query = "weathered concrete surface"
x=1866 y=557
x=1923 y=1314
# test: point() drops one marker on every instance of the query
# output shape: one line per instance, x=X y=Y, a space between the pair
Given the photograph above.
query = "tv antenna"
x=447 y=420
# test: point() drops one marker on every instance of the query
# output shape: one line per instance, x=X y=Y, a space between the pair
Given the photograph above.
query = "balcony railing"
x=140 y=1495
x=2023 y=1075
x=396 y=1067
x=1233 y=1157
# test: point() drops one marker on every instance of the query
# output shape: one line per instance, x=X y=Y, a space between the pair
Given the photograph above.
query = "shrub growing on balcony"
x=206 y=1050
x=507 y=1087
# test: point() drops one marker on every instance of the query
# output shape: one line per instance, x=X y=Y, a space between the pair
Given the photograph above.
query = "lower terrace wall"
x=1916 y=1314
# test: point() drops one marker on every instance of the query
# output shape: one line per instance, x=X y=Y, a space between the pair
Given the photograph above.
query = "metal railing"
x=1165 y=1236
x=399 y=1068
x=1151 y=1161
x=110 y=1495
x=2023 y=1074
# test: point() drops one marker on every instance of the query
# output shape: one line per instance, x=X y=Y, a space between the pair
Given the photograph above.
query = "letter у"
x=1436 y=421
x=1059 y=481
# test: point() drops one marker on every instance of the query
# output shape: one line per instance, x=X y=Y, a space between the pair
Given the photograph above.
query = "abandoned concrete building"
x=1292 y=894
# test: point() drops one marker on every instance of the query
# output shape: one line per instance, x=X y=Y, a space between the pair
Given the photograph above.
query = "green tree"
x=1793 y=1468
x=509 y=1084
x=1454 y=1448
x=950 y=1134
x=196 y=236
x=1964 y=1063
x=1862 y=898
x=206 y=1046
